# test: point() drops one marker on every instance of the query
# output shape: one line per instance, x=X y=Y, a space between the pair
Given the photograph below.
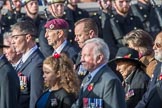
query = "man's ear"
x=60 y=33
x=28 y=37
x=99 y=58
x=91 y=33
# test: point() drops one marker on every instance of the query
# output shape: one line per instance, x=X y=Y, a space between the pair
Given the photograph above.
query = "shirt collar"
x=28 y=53
x=93 y=73
x=15 y=65
x=60 y=48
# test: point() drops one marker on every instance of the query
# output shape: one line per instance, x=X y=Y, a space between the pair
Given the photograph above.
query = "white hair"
x=100 y=48
x=7 y=35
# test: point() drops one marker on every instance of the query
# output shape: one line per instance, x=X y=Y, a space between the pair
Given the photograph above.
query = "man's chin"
x=80 y=45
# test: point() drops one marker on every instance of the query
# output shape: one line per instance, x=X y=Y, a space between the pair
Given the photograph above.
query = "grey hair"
x=7 y=35
x=100 y=48
x=140 y=38
x=25 y=27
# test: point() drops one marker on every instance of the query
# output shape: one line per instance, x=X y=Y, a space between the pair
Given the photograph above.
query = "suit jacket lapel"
x=78 y=60
x=158 y=70
x=94 y=80
x=3 y=61
x=27 y=61
x=154 y=79
x=66 y=47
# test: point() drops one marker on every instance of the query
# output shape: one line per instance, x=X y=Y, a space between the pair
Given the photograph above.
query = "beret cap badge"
x=51 y=26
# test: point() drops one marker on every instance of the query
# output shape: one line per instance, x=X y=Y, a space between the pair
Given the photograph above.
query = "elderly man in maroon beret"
x=56 y=10
x=56 y=35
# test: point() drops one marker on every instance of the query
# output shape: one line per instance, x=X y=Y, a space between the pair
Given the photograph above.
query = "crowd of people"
x=70 y=58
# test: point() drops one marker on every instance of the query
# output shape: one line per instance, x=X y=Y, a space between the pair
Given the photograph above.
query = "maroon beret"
x=57 y=24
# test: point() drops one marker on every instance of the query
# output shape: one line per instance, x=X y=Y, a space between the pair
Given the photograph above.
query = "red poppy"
x=90 y=87
x=160 y=77
x=56 y=55
x=127 y=56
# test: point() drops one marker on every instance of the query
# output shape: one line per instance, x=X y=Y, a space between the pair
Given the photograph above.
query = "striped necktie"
x=87 y=81
x=19 y=65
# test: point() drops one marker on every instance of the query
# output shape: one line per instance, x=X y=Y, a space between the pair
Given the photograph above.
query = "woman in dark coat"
x=135 y=80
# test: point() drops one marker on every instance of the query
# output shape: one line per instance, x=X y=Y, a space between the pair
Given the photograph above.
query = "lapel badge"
x=54 y=102
x=129 y=94
x=160 y=77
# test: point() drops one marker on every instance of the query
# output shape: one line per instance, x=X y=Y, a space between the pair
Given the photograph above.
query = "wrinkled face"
x=122 y=6
x=9 y=52
x=52 y=37
x=80 y=35
x=48 y=75
x=87 y=58
x=158 y=48
x=17 y=5
x=19 y=41
x=122 y=67
x=32 y=7
x=56 y=9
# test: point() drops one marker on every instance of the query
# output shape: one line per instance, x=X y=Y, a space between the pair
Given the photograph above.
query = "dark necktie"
x=87 y=81
x=19 y=65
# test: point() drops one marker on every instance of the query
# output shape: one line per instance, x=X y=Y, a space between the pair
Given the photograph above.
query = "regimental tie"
x=19 y=65
x=87 y=81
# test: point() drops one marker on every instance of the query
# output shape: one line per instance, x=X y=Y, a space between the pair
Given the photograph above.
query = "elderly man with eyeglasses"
x=29 y=70
x=153 y=96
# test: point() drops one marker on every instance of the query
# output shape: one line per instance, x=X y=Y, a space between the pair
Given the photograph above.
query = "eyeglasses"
x=157 y=45
x=18 y=35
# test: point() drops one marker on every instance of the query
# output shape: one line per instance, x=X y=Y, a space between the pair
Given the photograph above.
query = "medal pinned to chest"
x=53 y=102
x=129 y=94
x=23 y=81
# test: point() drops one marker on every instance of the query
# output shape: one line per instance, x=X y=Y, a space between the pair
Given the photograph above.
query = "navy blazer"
x=9 y=85
x=106 y=86
x=32 y=69
x=71 y=51
x=151 y=98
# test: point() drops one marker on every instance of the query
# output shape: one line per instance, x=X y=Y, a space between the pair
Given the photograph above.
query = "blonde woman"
x=62 y=82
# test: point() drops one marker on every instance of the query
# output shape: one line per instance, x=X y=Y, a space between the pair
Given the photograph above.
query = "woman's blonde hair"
x=64 y=66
